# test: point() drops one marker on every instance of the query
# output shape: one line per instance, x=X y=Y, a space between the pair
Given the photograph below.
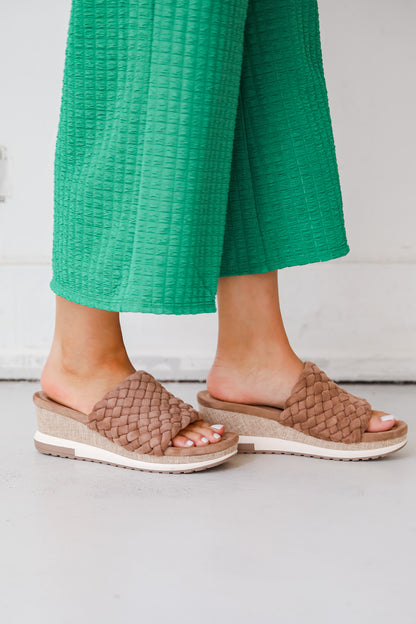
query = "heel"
x=48 y=427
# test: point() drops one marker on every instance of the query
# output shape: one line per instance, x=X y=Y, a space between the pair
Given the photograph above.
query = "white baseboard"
x=28 y=366
x=355 y=320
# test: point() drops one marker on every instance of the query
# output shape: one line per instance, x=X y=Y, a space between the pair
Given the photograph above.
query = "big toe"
x=381 y=421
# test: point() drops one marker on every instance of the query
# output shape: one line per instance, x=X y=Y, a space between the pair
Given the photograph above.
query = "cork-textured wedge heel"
x=131 y=427
x=319 y=419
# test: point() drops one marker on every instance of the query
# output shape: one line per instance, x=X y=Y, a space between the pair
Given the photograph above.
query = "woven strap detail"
x=141 y=415
x=320 y=408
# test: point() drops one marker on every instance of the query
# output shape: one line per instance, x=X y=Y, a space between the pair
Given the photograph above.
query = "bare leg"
x=88 y=358
x=254 y=362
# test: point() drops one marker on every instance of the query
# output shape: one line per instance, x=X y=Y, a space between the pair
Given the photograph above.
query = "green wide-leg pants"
x=194 y=142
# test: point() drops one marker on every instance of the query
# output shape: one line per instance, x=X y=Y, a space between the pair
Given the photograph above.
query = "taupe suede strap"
x=320 y=408
x=141 y=415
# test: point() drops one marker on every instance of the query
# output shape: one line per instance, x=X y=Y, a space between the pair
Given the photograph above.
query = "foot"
x=81 y=390
x=268 y=381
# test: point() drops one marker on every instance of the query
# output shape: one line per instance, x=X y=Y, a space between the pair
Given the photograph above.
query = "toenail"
x=204 y=439
x=216 y=436
x=216 y=426
x=170 y=443
x=387 y=417
x=189 y=443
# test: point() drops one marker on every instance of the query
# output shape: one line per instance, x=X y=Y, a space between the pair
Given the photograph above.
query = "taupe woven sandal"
x=319 y=419
x=131 y=426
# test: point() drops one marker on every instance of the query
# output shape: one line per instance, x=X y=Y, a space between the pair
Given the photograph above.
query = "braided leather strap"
x=141 y=415
x=320 y=408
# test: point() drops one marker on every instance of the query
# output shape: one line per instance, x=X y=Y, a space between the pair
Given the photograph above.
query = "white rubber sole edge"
x=86 y=451
x=277 y=445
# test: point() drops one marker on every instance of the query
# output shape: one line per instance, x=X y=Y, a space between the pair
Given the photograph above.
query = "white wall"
x=356 y=315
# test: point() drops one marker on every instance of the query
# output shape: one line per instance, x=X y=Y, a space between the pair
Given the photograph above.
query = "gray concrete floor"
x=260 y=539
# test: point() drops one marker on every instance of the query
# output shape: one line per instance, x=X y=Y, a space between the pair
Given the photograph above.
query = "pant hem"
x=131 y=305
x=300 y=260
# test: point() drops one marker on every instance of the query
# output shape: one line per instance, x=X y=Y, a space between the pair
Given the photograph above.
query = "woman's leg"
x=88 y=358
x=285 y=203
x=254 y=362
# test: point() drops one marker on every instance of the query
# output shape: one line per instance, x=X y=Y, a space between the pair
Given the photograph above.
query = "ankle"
x=80 y=384
x=76 y=368
x=245 y=377
x=87 y=368
x=260 y=356
x=82 y=360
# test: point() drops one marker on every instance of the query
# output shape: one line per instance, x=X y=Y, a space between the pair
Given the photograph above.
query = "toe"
x=381 y=421
x=204 y=428
x=182 y=442
x=218 y=429
x=197 y=438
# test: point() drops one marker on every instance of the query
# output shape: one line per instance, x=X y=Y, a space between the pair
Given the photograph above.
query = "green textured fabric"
x=194 y=142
